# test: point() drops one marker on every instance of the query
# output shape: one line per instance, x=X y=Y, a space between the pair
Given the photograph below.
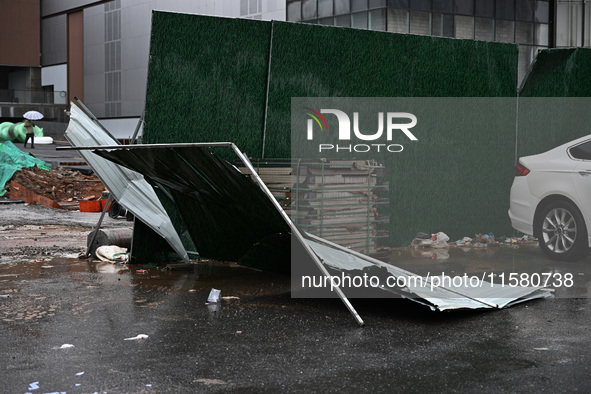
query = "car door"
x=582 y=178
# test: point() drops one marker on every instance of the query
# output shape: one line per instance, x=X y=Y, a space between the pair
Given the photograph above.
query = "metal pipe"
x=296 y=232
x=98 y=225
x=147 y=146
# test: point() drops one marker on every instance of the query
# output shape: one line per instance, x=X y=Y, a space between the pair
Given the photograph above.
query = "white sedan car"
x=551 y=199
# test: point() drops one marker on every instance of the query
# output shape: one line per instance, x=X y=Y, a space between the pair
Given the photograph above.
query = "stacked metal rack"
x=339 y=200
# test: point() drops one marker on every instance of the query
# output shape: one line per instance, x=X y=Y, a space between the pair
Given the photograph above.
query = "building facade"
x=532 y=24
x=54 y=50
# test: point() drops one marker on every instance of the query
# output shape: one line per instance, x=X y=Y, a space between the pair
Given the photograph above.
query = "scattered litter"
x=47 y=266
x=238 y=332
x=541 y=348
x=148 y=385
x=140 y=336
x=141 y=271
x=80 y=373
x=230 y=298
x=214 y=296
x=436 y=241
x=192 y=290
x=112 y=254
x=4 y=296
x=33 y=386
x=66 y=346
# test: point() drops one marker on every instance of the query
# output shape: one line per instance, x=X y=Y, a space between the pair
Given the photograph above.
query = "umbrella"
x=33 y=115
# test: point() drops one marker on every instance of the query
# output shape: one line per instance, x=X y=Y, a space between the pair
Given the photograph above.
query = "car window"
x=582 y=151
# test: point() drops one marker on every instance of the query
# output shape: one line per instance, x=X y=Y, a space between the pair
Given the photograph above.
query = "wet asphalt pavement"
x=259 y=339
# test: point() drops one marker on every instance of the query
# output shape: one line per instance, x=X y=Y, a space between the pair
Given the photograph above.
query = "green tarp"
x=13 y=159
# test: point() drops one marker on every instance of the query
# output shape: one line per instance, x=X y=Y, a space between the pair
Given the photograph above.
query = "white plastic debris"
x=112 y=254
x=140 y=336
x=66 y=346
x=214 y=296
x=436 y=241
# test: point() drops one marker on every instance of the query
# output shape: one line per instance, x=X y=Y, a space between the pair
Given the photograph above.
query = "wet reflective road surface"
x=79 y=326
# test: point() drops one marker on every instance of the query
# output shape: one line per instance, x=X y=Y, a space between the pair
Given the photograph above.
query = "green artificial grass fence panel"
x=207 y=81
x=323 y=61
x=552 y=107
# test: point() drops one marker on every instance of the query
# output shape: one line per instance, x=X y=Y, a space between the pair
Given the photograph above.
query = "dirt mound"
x=64 y=186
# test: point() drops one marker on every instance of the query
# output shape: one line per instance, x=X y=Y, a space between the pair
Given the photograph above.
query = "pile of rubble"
x=63 y=186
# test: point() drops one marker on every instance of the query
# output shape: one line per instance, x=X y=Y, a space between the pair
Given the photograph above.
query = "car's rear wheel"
x=561 y=232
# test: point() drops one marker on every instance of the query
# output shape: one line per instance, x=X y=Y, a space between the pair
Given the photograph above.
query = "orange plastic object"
x=90 y=206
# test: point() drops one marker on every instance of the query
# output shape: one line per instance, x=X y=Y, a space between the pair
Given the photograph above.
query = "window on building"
x=358 y=5
x=524 y=10
x=484 y=8
x=309 y=9
x=359 y=20
x=420 y=5
x=341 y=7
x=377 y=19
x=542 y=11
x=483 y=29
x=443 y=6
x=419 y=23
x=505 y=9
x=294 y=11
x=464 y=27
x=397 y=21
x=325 y=8
x=464 y=7
x=504 y=31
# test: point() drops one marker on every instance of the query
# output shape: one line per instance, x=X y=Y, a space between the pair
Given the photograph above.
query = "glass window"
x=398 y=4
x=419 y=23
x=541 y=35
x=524 y=33
x=568 y=24
x=445 y=6
x=542 y=11
x=436 y=25
x=341 y=7
x=447 y=28
x=377 y=3
x=464 y=27
x=294 y=11
x=397 y=21
x=464 y=7
x=524 y=10
x=309 y=9
x=420 y=5
x=325 y=8
x=358 y=5
x=359 y=21
x=504 y=31
x=483 y=29
x=485 y=8
x=343 y=20
x=582 y=151
x=377 y=20
x=326 y=21
x=505 y=9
